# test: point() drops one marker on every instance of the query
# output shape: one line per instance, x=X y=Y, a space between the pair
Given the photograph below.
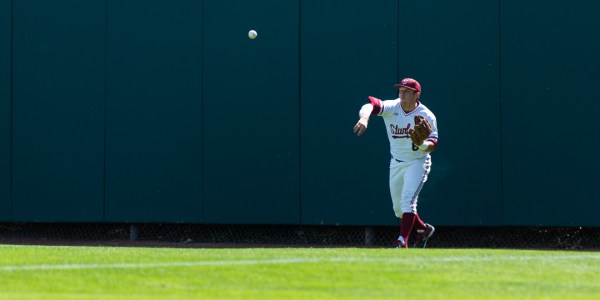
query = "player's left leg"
x=414 y=179
x=419 y=224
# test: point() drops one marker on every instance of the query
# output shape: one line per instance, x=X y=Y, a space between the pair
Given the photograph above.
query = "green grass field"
x=45 y=272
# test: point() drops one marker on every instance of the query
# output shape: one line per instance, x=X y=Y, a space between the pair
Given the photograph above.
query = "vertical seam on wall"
x=10 y=109
x=105 y=106
x=398 y=42
x=202 y=131
x=300 y=110
x=502 y=215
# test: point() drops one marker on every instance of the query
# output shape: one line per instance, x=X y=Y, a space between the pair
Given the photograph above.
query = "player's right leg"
x=396 y=185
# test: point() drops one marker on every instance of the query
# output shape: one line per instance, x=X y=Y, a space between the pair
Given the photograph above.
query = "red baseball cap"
x=409 y=83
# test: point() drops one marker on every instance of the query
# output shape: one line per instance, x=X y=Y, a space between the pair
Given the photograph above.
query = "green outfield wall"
x=165 y=111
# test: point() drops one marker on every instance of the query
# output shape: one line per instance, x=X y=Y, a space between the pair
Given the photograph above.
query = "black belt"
x=398 y=160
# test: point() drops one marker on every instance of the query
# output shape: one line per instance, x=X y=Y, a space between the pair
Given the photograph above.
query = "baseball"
x=252 y=34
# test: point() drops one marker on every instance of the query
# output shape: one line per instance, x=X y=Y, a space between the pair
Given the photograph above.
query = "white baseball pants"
x=406 y=181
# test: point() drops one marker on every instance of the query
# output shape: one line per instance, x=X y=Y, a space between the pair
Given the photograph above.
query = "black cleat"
x=424 y=235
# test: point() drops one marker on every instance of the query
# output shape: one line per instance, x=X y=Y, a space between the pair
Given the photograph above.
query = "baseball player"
x=412 y=132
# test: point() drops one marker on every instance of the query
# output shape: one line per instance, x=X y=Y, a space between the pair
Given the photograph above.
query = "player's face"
x=407 y=94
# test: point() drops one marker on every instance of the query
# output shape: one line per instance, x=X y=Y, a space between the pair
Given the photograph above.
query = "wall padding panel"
x=58 y=110
x=551 y=89
x=154 y=110
x=251 y=112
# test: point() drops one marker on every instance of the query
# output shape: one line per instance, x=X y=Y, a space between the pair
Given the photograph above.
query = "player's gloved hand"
x=421 y=131
x=360 y=127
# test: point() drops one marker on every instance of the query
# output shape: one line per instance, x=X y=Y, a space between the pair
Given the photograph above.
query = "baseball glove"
x=420 y=132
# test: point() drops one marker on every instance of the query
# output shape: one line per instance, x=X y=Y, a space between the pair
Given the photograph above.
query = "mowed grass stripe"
x=115 y=273
x=295 y=261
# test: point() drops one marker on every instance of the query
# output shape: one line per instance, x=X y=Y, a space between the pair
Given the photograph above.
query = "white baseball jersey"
x=398 y=123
